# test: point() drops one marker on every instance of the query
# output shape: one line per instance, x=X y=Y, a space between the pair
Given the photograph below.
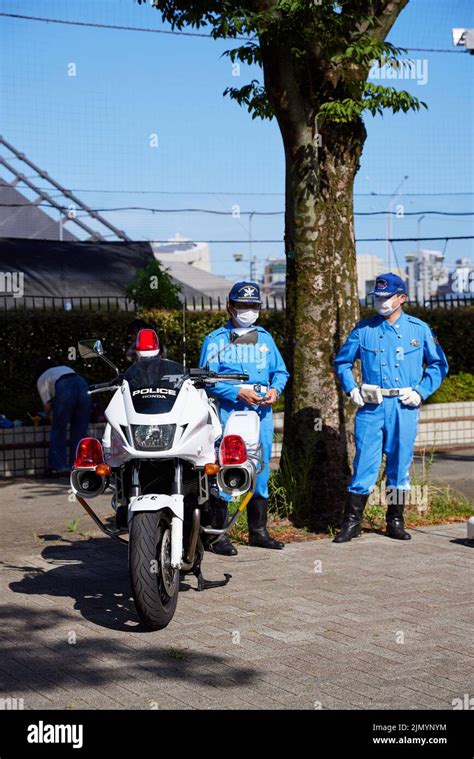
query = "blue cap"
x=245 y=292
x=387 y=285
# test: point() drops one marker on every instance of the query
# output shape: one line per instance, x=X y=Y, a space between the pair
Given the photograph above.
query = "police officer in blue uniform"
x=402 y=363
x=241 y=346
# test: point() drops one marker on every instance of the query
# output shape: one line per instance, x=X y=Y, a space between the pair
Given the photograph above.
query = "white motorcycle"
x=165 y=459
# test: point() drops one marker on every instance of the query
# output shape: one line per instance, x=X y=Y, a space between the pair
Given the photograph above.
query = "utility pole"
x=418 y=224
x=253 y=259
x=393 y=198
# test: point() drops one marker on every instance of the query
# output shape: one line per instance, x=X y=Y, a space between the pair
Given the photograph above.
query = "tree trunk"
x=322 y=307
x=322 y=299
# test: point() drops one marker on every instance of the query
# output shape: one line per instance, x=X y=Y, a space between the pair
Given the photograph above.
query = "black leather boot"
x=223 y=547
x=257 y=521
x=353 y=512
x=396 y=500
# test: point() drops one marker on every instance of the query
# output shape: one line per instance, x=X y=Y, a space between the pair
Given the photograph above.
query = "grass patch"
x=429 y=503
x=279 y=527
x=73 y=525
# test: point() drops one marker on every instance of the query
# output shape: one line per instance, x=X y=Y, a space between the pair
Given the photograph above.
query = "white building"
x=368 y=268
x=179 y=248
x=462 y=278
x=426 y=274
x=189 y=265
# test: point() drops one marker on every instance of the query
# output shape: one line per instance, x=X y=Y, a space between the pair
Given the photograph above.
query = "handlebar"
x=111 y=385
x=202 y=376
x=206 y=376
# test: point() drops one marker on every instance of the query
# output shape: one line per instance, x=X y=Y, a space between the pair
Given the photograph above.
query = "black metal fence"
x=24 y=450
x=76 y=303
x=437 y=301
x=114 y=303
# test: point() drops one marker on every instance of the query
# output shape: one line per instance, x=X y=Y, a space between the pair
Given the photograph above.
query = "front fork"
x=177 y=548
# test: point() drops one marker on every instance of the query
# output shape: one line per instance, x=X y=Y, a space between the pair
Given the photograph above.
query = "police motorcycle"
x=164 y=457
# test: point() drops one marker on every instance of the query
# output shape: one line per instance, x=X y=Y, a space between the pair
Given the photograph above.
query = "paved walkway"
x=454 y=468
x=375 y=623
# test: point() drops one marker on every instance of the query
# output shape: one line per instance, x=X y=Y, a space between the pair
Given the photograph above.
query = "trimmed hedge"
x=27 y=336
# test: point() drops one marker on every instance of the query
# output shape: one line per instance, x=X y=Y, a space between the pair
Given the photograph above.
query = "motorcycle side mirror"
x=90 y=348
x=93 y=348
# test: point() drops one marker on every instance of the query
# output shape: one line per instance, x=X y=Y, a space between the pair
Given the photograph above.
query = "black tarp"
x=73 y=269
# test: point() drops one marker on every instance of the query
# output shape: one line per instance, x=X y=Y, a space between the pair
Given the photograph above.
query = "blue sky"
x=92 y=131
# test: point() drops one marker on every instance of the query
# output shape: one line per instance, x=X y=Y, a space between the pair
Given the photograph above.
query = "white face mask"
x=246 y=318
x=386 y=306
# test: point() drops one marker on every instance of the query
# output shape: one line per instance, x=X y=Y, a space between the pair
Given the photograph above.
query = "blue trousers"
x=390 y=428
x=266 y=439
x=71 y=405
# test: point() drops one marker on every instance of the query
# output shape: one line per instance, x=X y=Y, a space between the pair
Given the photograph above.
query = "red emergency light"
x=89 y=453
x=232 y=450
x=147 y=342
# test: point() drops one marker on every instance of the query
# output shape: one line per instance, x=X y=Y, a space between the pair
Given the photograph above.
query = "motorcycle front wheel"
x=155 y=584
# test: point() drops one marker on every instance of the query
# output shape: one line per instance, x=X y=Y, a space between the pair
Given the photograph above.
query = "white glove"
x=356 y=397
x=411 y=399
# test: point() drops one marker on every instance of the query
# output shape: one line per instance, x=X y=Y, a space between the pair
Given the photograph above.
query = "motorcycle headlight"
x=155 y=437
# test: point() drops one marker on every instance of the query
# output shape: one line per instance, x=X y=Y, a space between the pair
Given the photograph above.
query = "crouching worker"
x=402 y=363
x=66 y=400
x=240 y=346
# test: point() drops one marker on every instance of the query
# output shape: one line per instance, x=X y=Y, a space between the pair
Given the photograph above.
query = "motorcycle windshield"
x=154 y=384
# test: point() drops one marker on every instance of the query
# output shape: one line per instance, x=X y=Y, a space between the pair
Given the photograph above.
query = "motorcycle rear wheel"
x=155 y=584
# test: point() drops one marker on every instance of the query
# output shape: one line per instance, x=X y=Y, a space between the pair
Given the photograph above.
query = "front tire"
x=155 y=584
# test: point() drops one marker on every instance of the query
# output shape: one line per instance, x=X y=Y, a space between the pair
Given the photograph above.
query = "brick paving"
x=375 y=623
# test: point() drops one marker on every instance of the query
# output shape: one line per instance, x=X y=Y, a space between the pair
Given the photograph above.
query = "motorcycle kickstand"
x=204 y=584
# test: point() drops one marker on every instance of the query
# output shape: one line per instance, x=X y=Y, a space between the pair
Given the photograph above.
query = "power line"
x=433 y=50
x=229 y=213
x=179 y=33
x=414 y=213
x=108 y=191
x=116 y=27
x=409 y=194
x=280 y=240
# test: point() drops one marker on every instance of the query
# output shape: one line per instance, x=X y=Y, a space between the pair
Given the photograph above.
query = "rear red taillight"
x=88 y=453
x=232 y=450
x=147 y=340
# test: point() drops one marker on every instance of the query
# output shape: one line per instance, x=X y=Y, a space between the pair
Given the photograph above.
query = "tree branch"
x=386 y=12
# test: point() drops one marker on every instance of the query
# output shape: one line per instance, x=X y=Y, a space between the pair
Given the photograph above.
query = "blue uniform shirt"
x=262 y=361
x=393 y=355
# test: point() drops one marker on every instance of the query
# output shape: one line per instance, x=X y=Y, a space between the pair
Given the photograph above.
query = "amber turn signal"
x=103 y=469
x=211 y=468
